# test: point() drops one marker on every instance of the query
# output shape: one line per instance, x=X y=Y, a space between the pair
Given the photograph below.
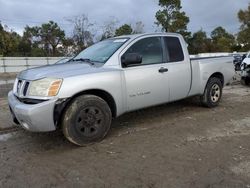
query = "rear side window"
x=174 y=49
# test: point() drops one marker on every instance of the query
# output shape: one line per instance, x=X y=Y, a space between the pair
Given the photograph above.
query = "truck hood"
x=60 y=71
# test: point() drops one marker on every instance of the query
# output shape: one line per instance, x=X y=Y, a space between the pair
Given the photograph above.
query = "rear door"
x=179 y=69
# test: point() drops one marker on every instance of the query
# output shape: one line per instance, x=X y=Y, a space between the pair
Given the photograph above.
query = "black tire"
x=212 y=93
x=245 y=81
x=237 y=67
x=86 y=120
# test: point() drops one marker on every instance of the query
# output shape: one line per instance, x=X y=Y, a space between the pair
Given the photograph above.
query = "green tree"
x=171 y=18
x=199 y=43
x=124 y=30
x=9 y=41
x=51 y=36
x=25 y=45
x=66 y=47
x=244 y=34
x=48 y=35
x=31 y=44
x=1 y=39
x=222 y=40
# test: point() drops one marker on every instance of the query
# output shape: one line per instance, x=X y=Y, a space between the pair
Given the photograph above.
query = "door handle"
x=162 y=70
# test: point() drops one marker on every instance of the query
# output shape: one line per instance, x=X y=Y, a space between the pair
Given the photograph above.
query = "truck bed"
x=203 y=67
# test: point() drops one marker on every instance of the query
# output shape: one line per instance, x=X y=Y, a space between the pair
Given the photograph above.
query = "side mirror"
x=131 y=59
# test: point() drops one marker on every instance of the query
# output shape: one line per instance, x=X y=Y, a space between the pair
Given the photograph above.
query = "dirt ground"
x=176 y=145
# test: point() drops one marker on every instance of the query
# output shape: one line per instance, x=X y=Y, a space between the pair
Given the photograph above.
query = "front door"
x=147 y=83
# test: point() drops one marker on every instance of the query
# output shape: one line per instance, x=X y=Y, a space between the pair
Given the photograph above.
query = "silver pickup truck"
x=113 y=77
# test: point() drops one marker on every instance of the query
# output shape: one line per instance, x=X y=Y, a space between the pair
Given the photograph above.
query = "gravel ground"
x=175 y=145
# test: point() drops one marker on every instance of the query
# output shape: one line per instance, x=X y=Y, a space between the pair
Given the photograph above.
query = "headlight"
x=46 y=87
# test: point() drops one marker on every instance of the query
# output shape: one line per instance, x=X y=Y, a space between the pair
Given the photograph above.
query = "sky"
x=203 y=14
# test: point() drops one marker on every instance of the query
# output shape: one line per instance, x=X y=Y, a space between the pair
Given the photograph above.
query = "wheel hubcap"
x=215 y=93
x=89 y=120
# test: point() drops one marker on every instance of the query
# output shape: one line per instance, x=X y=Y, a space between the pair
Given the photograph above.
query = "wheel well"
x=218 y=75
x=62 y=104
x=102 y=94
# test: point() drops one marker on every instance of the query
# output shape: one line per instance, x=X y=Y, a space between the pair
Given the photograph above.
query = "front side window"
x=149 y=48
x=174 y=49
x=101 y=51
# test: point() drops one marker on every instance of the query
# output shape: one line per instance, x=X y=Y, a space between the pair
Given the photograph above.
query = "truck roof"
x=133 y=36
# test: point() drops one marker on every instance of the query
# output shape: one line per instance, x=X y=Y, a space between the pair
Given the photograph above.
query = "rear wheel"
x=245 y=81
x=212 y=93
x=86 y=120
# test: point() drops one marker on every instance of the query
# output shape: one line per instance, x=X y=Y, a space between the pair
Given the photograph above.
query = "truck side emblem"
x=139 y=94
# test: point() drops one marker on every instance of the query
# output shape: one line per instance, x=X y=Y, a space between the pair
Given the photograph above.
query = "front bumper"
x=245 y=73
x=33 y=117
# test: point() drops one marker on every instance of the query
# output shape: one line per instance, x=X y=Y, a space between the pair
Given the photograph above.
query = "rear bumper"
x=33 y=117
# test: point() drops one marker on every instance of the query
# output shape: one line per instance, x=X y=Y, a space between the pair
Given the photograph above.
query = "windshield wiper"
x=84 y=60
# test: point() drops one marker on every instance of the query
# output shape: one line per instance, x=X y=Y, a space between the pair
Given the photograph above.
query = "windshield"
x=101 y=51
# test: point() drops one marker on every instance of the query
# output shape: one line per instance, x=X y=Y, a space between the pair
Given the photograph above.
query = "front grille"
x=19 y=84
x=22 y=88
x=25 y=89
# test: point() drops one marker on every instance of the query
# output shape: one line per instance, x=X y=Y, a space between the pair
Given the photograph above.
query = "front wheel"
x=86 y=120
x=212 y=93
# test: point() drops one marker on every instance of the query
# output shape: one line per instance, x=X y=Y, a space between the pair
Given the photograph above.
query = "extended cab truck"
x=111 y=78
